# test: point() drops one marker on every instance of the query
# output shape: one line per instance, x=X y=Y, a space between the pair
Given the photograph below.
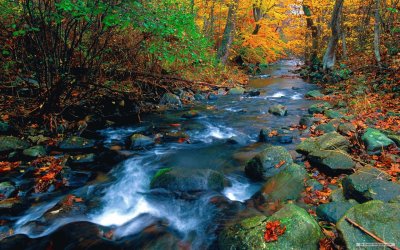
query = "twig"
x=371 y=234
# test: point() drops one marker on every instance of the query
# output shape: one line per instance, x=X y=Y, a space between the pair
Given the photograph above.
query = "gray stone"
x=302 y=232
x=170 y=99
x=375 y=140
x=35 y=151
x=379 y=218
x=12 y=143
x=265 y=164
x=370 y=183
x=278 y=110
x=188 y=180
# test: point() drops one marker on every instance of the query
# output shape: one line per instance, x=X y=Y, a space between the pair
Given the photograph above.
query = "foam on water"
x=242 y=189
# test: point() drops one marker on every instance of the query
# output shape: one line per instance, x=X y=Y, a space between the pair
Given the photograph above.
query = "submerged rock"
x=302 y=231
x=188 y=180
x=268 y=162
x=141 y=141
x=370 y=183
x=379 y=218
x=375 y=141
x=12 y=143
x=278 y=110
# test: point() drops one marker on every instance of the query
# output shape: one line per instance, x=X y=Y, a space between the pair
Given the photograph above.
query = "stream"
x=222 y=138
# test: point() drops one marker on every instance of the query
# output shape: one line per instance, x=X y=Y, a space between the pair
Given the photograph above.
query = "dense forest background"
x=58 y=53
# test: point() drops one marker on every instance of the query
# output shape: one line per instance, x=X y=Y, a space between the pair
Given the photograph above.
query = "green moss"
x=159 y=173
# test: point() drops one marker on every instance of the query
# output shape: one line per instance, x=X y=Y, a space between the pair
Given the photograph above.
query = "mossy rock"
x=170 y=99
x=332 y=141
x=265 y=163
x=236 y=91
x=326 y=128
x=334 y=211
x=370 y=183
x=319 y=108
x=35 y=151
x=12 y=143
x=141 y=141
x=302 y=232
x=376 y=141
x=314 y=94
x=346 y=128
x=332 y=161
x=307 y=146
x=379 y=218
x=278 y=110
x=77 y=143
x=286 y=185
x=333 y=114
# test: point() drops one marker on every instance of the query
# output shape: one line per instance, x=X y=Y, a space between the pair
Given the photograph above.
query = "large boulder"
x=170 y=99
x=188 y=180
x=332 y=161
x=286 y=185
x=278 y=110
x=12 y=143
x=334 y=211
x=376 y=141
x=141 y=141
x=268 y=162
x=302 y=231
x=379 y=218
x=369 y=183
x=76 y=143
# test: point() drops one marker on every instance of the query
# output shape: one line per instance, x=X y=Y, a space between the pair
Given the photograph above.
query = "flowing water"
x=222 y=138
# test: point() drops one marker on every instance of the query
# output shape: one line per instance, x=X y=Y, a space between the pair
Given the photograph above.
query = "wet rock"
x=278 y=110
x=307 y=120
x=141 y=141
x=76 y=143
x=4 y=127
x=7 y=189
x=314 y=94
x=12 y=206
x=221 y=91
x=254 y=92
x=76 y=178
x=236 y=91
x=319 y=108
x=341 y=104
x=334 y=211
x=375 y=141
x=302 y=231
x=212 y=97
x=307 y=146
x=268 y=162
x=199 y=97
x=346 y=128
x=284 y=186
x=285 y=139
x=379 y=218
x=82 y=159
x=332 y=161
x=326 y=128
x=35 y=151
x=333 y=114
x=369 y=183
x=12 y=143
x=170 y=99
x=188 y=180
x=191 y=114
x=69 y=206
x=175 y=136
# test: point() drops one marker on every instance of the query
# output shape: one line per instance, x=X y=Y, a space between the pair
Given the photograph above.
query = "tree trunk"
x=344 y=45
x=377 y=33
x=329 y=59
x=311 y=55
x=229 y=32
